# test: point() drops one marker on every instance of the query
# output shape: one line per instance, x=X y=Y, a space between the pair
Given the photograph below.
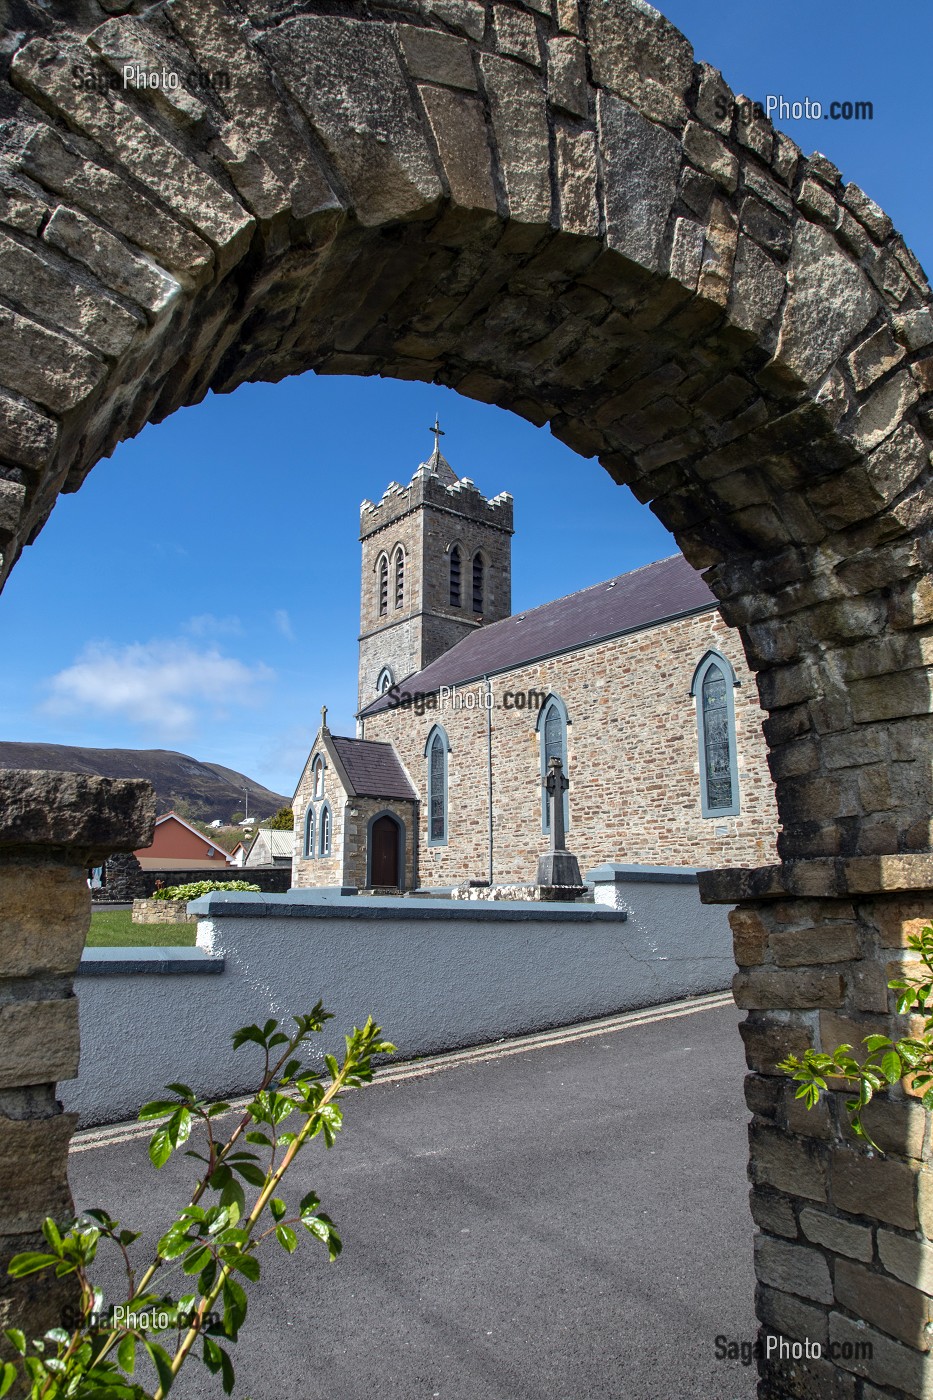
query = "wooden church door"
x=384 y=871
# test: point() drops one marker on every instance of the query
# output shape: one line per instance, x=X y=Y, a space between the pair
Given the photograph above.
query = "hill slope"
x=206 y=790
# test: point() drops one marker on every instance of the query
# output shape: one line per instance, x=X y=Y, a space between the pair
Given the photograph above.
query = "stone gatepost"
x=844 y=1249
x=53 y=826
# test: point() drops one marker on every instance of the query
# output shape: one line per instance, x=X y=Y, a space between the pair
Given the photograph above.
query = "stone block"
x=787 y=1164
x=714 y=100
x=516 y=35
x=907 y=1258
x=642 y=163
x=841 y=1236
x=793 y=1268
x=433 y=57
x=883 y=411
x=829 y=302
x=914 y=328
x=466 y=15
x=110 y=260
x=874 y=357
x=867 y=212
x=764 y=1094
x=74 y=810
x=33 y=1169
x=789 y=1317
x=757 y=288
x=347 y=77
x=38 y=1041
x=566 y=76
x=773 y=1214
x=27 y=436
x=715 y=278
x=753 y=131
x=459 y=129
x=12 y=502
x=883 y=1360
x=767 y=226
x=749 y=936
x=568 y=17
x=638 y=54
x=765 y=988
x=705 y=150
x=45 y=912
x=815 y=201
x=877 y=1187
x=45 y=72
x=517 y=102
x=898 y=920
x=44 y=366
x=898 y=1310
x=51 y=161
x=769 y=1041
x=576 y=181
x=687 y=252
x=824 y=943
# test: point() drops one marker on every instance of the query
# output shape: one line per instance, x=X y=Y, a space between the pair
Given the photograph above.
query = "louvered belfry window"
x=399 y=578
x=716 y=740
x=455 y=577
x=477 y=583
x=383 y=586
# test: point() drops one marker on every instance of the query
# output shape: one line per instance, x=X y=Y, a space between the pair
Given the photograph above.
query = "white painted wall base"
x=436 y=974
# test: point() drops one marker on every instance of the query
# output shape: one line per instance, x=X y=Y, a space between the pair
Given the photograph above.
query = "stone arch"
x=549 y=213
x=549 y=216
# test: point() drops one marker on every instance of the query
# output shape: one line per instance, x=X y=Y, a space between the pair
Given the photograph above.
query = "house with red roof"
x=176 y=845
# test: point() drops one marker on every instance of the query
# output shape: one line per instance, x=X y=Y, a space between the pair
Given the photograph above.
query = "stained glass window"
x=716 y=739
x=309 y=832
x=325 y=831
x=437 y=785
x=553 y=728
x=714 y=682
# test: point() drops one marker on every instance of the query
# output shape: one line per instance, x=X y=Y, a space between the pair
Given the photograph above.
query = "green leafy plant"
x=199 y=887
x=284 y=820
x=887 y=1061
x=212 y=1248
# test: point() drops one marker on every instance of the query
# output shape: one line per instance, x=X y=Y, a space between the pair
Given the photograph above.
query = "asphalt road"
x=565 y=1223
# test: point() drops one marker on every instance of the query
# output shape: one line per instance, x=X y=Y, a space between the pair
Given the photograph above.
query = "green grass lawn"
x=114 y=928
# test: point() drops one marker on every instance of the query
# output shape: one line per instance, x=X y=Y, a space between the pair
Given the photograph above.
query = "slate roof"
x=658 y=592
x=373 y=768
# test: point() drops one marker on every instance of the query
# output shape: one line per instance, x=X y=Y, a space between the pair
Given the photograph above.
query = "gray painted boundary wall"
x=435 y=974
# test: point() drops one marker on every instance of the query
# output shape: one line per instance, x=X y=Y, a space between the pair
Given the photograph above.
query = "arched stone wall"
x=542 y=206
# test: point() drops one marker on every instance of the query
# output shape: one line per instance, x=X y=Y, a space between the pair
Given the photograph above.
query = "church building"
x=636 y=684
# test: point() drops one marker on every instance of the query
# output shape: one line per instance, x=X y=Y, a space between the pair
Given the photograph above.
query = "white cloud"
x=162 y=685
x=207 y=625
x=284 y=623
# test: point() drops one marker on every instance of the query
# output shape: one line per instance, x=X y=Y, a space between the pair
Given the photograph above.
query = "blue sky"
x=201 y=591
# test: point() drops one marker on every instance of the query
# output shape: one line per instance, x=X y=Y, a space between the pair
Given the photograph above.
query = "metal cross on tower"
x=438 y=432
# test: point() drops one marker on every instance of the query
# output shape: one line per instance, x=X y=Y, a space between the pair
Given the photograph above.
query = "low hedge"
x=199 y=887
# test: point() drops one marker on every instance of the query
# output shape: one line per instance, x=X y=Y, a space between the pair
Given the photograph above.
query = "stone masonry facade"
x=633 y=761
x=350 y=818
x=426 y=519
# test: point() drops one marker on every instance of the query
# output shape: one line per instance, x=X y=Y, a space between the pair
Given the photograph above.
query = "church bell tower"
x=436 y=566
